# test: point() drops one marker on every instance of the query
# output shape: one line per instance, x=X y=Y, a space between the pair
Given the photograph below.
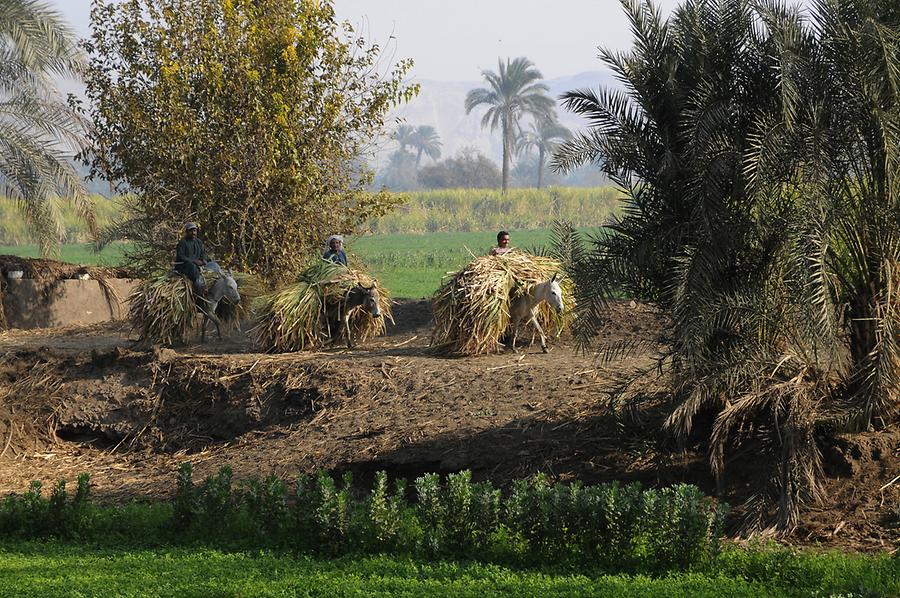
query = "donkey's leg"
x=203 y=328
x=539 y=329
x=515 y=323
x=347 y=329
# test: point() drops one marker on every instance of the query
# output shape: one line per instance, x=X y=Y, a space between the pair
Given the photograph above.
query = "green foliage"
x=247 y=117
x=265 y=502
x=185 y=503
x=450 y=210
x=15 y=230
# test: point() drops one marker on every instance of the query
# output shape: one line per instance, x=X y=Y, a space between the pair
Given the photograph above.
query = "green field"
x=410 y=265
x=57 y=569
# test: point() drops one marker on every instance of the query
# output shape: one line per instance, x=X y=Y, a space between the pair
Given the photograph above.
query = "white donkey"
x=526 y=307
x=225 y=287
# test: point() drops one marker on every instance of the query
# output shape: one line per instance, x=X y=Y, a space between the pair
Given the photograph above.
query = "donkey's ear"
x=555 y=274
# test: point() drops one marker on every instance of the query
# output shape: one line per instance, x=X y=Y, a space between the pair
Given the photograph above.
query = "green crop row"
x=48 y=569
x=624 y=528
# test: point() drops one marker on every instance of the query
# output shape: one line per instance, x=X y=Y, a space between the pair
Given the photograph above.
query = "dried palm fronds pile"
x=164 y=310
x=295 y=318
x=471 y=308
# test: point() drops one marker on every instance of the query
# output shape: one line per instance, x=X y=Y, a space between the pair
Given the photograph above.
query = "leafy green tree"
x=544 y=135
x=759 y=170
x=246 y=116
x=513 y=91
x=468 y=169
x=426 y=141
x=38 y=130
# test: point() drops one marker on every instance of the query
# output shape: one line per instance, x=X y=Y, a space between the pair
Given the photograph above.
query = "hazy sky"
x=454 y=40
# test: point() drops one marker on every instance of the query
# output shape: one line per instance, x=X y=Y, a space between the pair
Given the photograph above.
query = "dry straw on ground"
x=164 y=310
x=471 y=308
x=294 y=318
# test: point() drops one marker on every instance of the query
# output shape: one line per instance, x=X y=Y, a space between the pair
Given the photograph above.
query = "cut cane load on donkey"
x=168 y=308
x=329 y=301
x=480 y=308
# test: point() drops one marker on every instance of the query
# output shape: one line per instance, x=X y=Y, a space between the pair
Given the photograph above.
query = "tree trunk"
x=507 y=131
x=540 y=166
x=418 y=158
x=862 y=329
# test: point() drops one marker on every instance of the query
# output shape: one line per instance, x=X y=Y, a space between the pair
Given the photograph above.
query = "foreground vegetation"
x=459 y=537
x=622 y=528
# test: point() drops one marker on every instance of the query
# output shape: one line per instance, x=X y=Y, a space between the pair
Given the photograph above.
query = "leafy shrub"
x=185 y=502
x=620 y=527
x=266 y=504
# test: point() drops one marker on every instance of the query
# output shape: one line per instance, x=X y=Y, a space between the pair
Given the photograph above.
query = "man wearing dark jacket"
x=190 y=255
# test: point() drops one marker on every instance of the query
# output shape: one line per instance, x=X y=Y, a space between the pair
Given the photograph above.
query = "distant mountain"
x=441 y=105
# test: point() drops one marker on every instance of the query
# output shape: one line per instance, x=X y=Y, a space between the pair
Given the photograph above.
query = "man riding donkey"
x=190 y=256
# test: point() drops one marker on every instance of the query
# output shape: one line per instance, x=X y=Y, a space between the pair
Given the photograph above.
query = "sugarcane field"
x=308 y=298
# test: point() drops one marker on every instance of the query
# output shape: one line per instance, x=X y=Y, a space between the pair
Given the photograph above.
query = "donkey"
x=225 y=287
x=525 y=307
x=339 y=317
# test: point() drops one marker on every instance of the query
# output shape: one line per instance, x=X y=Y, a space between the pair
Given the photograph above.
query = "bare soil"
x=82 y=400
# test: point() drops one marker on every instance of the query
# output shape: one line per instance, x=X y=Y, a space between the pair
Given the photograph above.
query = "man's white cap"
x=334 y=238
x=189 y=225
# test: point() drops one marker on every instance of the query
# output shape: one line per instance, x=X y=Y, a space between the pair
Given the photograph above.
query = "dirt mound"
x=130 y=418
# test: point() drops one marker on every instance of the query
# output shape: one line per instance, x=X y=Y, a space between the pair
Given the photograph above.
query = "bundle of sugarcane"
x=163 y=309
x=295 y=318
x=471 y=308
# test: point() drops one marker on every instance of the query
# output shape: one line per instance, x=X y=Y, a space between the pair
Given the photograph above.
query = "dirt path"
x=129 y=418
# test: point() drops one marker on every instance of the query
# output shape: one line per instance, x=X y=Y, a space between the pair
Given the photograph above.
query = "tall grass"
x=15 y=231
x=466 y=210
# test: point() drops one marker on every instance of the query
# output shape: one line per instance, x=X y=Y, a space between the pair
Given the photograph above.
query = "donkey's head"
x=554 y=294
x=371 y=299
x=226 y=288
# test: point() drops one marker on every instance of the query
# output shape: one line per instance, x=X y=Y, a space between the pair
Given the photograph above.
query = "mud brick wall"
x=65 y=303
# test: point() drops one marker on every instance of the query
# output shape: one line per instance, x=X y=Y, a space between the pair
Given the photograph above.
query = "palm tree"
x=513 y=91
x=38 y=130
x=404 y=135
x=544 y=135
x=425 y=140
x=760 y=168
